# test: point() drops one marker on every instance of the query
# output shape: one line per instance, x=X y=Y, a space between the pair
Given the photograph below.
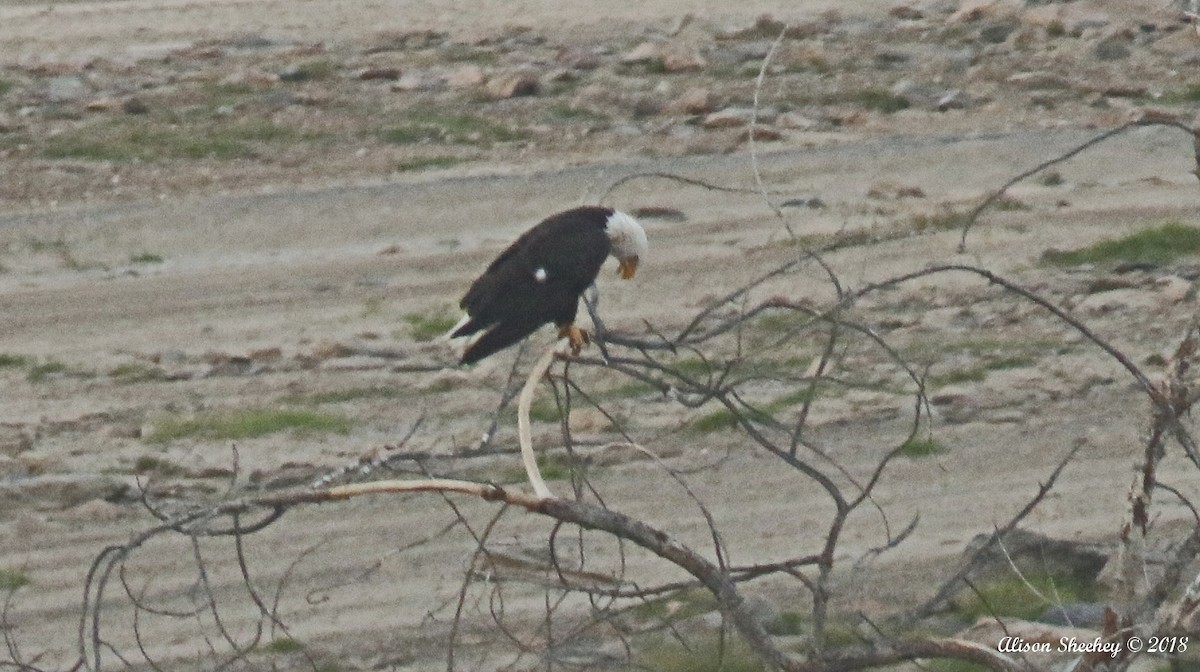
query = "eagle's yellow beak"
x=627 y=267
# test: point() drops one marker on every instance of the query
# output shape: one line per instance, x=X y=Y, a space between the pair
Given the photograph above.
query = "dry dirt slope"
x=211 y=300
x=310 y=293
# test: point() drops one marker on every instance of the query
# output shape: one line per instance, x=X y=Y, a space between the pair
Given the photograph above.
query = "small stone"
x=730 y=117
x=683 y=62
x=466 y=77
x=642 y=54
x=419 y=81
x=134 y=105
x=66 y=89
x=995 y=33
x=906 y=13
x=1039 y=79
x=514 y=85
x=952 y=100
x=1173 y=289
x=760 y=134
x=796 y=121
x=100 y=105
x=390 y=74
x=697 y=100
x=1112 y=49
x=579 y=59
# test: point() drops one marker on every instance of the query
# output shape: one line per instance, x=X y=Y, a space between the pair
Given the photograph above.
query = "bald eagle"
x=541 y=276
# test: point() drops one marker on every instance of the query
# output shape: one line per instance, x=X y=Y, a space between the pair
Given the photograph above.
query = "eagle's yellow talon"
x=576 y=337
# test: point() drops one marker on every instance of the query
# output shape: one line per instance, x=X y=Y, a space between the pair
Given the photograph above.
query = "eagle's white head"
x=628 y=240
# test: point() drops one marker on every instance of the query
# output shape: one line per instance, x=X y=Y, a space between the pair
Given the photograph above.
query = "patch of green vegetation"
x=956 y=376
x=315 y=70
x=247 y=423
x=676 y=606
x=723 y=418
x=789 y=623
x=149 y=464
x=6 y=85
x=568 y=112
x=923 y=447
x=1010 y=596
x=878 y=100
x=11 y=579
x=544 y=410
x=427 y=326
x=1054 y=29
x=146 y=258
x=465 y=53
x=670 y=655
x=57 y=247
x=447 y=127
x=633 y=390
x=40 y=372
x=133 y=372
x=283 y=645
x=344 y=396
x=122 y=142
x=9 y=361
x=801 y=395
x=1013 y=362
x=1009 y=204
x=1159 y=245
x=1052 y=178
x=418 y=163
x=1191 y=94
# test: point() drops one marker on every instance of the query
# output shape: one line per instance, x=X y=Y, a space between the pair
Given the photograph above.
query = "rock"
x=906 y=13
x=730 y=117
x=952 y=100
x=997 y=32
x=466 y=77
x=368 y=74
x=578 y=59
x=696 y=100
x=134 y=105
x=970 y=11
x=1111 y=49
x=419 y=81
x=643 y=54
x=246 y=77
x=1117 y=300
x=796 y=121
x=1075 y=614
x=683 y=61
x=100 y=105
x=760 y=134
x=1173 y=289
x=355 y=363
x=514 y=85
x=67 y=89
x=1039 y=79
x=1035 y=553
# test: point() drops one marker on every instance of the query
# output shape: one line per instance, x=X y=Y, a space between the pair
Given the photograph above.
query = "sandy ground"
x=293 y=290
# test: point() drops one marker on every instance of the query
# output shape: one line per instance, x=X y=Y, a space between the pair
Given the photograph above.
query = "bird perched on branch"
x=540 y=278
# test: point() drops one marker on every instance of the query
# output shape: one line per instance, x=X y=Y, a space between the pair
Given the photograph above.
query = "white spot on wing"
x=540 y=274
